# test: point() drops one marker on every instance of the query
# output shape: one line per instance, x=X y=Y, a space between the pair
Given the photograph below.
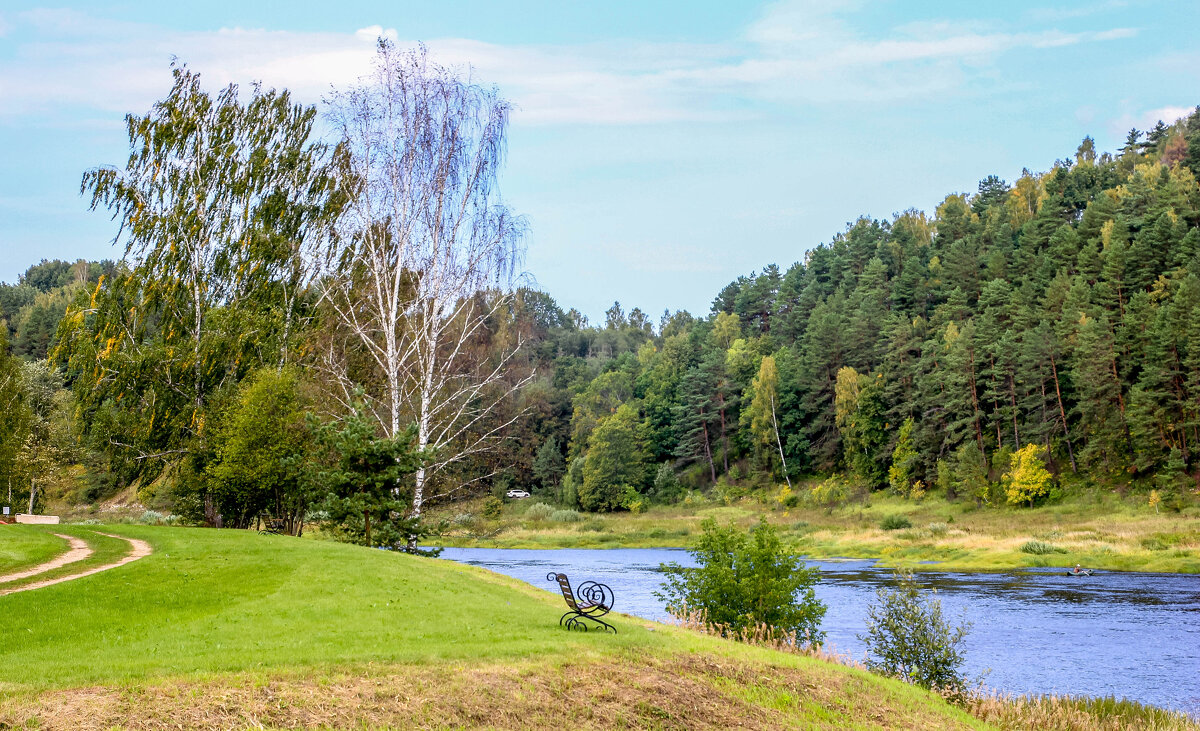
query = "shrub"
x=666 y=485
x=743 y=581
x=463 y=520
x=539 y=512
x=492 y=507
x=152 y=517
x=1040 y=548
x=728 y=493
x=895 y=522
x=1027 y=478
x=909 y=638
x=566 y=516
x=1155 y=543
x=829 y=493
x=938 y=529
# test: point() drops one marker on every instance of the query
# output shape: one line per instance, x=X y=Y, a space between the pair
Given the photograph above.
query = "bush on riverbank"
x=746 y=580
x=1040 y=548
x=908 y=637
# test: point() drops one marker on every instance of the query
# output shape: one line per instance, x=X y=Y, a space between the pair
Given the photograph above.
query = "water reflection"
x=1135 y=635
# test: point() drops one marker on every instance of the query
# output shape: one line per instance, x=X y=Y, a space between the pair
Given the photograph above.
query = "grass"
x=231 y=629
x=1094 y=528
x=234 y=629
x=1068 y=713
x=106 y=549
x=22 y=548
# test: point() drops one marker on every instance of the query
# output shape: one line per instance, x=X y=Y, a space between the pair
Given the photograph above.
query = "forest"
x=292 y=333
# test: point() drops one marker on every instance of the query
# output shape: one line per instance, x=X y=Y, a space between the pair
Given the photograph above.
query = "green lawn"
x=235 y=614
x=23 y=546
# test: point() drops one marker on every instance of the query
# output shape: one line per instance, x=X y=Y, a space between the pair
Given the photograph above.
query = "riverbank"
x=232 y=629
x=1098 y=529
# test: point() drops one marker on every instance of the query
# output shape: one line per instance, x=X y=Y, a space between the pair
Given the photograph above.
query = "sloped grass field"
x=229 y=629
x=22 y=547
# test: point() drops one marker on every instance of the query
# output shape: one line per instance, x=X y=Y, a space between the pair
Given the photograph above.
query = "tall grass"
x=1048 y=712
x=1072 y=713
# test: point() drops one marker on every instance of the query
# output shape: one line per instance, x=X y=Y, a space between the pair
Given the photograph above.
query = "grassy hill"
x=234 y=629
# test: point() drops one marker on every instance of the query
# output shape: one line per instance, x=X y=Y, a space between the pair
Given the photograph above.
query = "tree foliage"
x=909 y=637
x=744 y=580
x=1027 y=479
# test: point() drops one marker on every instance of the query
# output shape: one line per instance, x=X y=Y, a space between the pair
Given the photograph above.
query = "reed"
x=1075 y=713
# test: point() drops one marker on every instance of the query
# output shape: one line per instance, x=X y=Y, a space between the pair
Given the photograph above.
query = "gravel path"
x=138 y=549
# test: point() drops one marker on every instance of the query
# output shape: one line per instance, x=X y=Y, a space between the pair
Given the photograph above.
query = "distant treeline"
x=1061 y=311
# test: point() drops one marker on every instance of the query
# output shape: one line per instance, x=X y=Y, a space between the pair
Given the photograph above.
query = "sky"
x=658 y=149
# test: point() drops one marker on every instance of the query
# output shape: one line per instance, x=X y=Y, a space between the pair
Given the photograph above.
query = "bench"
x=591 y=602
x=274 y=526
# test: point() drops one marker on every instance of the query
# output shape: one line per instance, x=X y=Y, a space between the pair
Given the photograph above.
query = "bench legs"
x=579 y=620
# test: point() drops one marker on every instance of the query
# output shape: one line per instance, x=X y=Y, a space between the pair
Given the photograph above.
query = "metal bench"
x=591 y=602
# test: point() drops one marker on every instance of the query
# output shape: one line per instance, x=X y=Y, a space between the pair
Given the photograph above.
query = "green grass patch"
x=22 y=547
x=275 y=630
x=895 y=522
x=1040 y=548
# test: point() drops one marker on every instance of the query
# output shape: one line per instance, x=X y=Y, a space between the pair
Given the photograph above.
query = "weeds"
x=1040 y=548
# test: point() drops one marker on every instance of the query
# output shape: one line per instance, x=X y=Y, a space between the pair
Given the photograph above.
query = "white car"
x=516 y=494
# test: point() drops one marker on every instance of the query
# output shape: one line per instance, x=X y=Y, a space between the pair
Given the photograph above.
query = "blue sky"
x=658 y=149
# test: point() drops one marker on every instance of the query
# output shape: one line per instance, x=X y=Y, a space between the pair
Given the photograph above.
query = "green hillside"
x=231 y=628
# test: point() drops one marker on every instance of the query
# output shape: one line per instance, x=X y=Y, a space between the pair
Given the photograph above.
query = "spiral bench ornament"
x=592 y=601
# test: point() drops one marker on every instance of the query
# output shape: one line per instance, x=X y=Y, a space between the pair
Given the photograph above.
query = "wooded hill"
x=913 y=354
x=1061 y=311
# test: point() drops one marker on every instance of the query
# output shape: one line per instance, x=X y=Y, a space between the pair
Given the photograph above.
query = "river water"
x=1127 y=634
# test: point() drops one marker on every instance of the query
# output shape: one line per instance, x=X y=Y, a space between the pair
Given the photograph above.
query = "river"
x=1127 y=634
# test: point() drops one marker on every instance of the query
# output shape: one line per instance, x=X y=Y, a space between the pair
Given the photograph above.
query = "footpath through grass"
x=1096 y=529
x=233 y=629
x=105 y=550
x=23 y=547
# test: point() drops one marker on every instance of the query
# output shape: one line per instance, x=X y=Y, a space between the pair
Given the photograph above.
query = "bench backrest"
x=569 y=596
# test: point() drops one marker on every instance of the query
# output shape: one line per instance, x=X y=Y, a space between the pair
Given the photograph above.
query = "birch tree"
x=425 y=255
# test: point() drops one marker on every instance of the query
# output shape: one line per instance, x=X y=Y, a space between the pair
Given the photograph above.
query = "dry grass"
x=1061 y=713
x=761 y=635
x=692 y=691
x=1094 y=527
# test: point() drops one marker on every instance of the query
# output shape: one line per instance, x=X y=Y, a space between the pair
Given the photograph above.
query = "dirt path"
x=77 y=551
x=138 y=549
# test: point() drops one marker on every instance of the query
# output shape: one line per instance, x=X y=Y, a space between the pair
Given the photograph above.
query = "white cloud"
x=796 y=53
x=1091 y=8
x=1146 y=119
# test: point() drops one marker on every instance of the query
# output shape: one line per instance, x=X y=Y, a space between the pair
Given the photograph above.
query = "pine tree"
x=549 y=465
x=1101 y=404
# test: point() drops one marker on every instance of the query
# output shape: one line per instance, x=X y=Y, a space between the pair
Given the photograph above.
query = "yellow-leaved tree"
x=1027 y=478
